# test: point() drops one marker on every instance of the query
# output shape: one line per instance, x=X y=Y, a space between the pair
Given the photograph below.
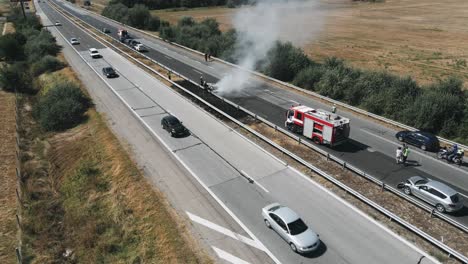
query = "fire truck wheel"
x=316 y=140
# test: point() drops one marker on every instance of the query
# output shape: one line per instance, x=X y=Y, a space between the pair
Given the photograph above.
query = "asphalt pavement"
x=372 y=145
x=217 y=157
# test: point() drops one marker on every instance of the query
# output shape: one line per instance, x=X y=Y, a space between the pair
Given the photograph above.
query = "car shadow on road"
x=351 y=146
x=322 y=248
x=462 y=213
x=411 y=163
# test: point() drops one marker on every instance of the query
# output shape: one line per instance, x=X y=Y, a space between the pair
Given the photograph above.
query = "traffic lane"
x=270 y=112
x=325 y=213
x=245 y=191
x=199 y=202
x=69 y=30
x=363 y=156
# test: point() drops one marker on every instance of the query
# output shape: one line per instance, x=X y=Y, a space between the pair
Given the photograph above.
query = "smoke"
x=260 y=26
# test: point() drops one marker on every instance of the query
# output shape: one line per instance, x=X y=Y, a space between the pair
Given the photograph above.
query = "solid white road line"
x=197 y=71
x=168 y=57
x=228 y=257
x=294 y=101
x=416 y=152
x=224 y=231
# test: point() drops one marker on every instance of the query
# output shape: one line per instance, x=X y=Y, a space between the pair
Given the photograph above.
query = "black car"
x=423 y=140
x=173 y=126
x=109 y=72
x=106 y=30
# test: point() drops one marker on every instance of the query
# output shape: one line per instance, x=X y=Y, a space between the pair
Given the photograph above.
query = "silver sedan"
x=290 y=227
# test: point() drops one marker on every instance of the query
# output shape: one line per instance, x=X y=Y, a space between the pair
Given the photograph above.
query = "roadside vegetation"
x=84 y=200
x=440 y=107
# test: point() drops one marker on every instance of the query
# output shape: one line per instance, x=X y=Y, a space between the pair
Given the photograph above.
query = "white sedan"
x=140 y=47
x=74 y=41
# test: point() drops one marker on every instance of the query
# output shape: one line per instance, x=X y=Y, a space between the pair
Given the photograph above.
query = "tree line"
x=29 y=52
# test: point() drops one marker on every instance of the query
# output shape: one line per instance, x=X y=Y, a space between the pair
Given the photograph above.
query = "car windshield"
x=422 y=181
x=454 y=198
x=94 y=51
x=173 y=121
x=297 y=227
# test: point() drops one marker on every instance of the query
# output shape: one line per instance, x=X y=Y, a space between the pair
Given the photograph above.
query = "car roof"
x=425 y=134
x=417 y=178
x=92 y=49
x=171 y=117
x=442 y=187
x=286 y=214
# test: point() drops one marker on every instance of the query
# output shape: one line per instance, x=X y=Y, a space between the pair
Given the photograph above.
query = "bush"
x=41 y=45
x=62 y=107
x=308 y=77
x=138 y=16
x=46 y=64
x=15 y=77
x=116 y=11
x=154 y=23
x=285 y=61
x=12 y=47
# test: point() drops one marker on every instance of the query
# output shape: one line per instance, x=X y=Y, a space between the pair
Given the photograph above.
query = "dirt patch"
x=8 y=182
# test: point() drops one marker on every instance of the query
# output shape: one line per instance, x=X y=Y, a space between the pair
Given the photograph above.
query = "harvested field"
x=8 y=183
x=424 y=39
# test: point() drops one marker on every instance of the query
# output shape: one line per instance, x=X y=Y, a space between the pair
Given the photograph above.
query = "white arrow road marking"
x=228 y=257
x=224 y=231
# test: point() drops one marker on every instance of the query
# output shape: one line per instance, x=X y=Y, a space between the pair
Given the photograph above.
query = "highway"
x=210 y=163
x=371 y=148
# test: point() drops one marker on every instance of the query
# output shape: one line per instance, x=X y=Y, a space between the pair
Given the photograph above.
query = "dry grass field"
x=425 y=39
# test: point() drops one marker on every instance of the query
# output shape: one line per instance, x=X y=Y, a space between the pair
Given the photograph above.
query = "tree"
x=43 y=44
x=15 y=77
x=62 y=107
x=12 y=47
x=138 y=16
x=285 y=61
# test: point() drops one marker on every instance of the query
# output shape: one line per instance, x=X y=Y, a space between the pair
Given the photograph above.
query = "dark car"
x=173 y=126
x=128 y=41
x=106 y=30
x=423 y=140
x=109 y=72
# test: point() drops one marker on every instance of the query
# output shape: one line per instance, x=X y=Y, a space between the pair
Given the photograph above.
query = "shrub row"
x=28 y=53
x=161 y=4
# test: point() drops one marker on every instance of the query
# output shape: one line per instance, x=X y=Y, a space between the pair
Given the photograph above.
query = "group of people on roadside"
x=402 y=154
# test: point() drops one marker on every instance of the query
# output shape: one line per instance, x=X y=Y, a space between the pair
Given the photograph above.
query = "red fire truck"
x=321 y=126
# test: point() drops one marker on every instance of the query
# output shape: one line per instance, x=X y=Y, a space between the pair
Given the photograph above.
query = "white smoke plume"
x=260 y=26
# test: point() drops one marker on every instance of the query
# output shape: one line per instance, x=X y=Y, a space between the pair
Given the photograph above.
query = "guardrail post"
x=18 y=197
x=432 y=213
x=299 y=140
x=344 y=165
x=255 y=117
x=18 y=221
x=383 y=186
x=18 y=255
x=328 y=156
x=276 y=128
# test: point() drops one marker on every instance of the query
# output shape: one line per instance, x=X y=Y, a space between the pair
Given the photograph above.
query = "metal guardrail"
x=298 y=138
x=392 y=216
x=332 y=101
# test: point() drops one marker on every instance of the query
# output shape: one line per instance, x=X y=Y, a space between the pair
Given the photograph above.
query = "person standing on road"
x=399 y=154
x=206 y=56
x=405 y=153
x=202 y=82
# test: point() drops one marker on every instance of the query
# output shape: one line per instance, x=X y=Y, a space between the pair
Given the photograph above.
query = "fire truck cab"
x=323 y=127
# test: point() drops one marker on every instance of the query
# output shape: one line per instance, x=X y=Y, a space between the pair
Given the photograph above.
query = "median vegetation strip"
x=83 y=199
